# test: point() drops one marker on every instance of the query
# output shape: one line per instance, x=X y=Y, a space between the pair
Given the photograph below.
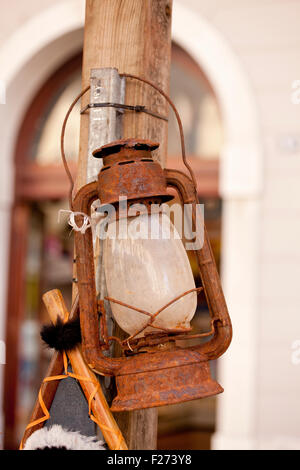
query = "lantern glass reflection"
x=147 y=269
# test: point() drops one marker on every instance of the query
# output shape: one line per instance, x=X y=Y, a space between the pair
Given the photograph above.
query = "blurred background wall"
x=233 y=66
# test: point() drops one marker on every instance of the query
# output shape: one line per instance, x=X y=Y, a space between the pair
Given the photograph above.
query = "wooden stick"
x=56 y=367
x=56 y=308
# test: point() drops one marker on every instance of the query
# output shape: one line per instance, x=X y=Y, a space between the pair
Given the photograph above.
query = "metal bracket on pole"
x=105 y=124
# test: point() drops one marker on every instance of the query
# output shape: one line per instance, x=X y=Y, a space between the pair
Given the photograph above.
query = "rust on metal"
x=130 y=171
x=145 y=375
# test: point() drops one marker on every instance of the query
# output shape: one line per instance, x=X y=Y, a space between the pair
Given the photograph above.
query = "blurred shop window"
x=48 y=265
x=41 y=252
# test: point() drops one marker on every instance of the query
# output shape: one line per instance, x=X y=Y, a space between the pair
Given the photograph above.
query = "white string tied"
x=87 y=222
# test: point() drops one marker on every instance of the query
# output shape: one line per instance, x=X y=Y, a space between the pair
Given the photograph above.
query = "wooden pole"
x=133 y=36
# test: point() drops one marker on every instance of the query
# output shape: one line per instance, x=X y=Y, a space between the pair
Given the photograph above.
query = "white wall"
x=15 y=13
x=265 y=36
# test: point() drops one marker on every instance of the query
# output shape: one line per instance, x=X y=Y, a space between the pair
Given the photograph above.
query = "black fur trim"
x=62 y=336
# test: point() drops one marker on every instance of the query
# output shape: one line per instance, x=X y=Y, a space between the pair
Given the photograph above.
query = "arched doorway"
x=41 y=251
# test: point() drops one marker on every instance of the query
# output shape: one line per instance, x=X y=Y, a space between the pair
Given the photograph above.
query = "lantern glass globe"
x=146 y=266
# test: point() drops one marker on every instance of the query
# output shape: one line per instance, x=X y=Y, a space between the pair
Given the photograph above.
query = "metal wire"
x=153 y=316
x=62 y=145
x=137 y=108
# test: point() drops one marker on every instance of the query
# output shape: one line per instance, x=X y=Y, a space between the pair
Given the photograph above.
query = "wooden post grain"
x=133 y=36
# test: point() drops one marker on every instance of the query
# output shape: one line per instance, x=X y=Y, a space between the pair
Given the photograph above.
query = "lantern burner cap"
x=118 y=145
x=130 y=171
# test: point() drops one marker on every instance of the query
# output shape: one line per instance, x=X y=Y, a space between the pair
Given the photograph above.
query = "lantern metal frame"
x=145 y=375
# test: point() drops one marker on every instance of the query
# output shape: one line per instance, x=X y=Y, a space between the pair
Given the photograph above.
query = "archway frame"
x=240 y=177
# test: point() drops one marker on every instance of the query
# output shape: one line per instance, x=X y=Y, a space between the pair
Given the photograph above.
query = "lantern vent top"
x=125 y=144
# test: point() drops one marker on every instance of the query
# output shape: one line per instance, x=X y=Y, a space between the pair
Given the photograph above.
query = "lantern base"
x=164 y=387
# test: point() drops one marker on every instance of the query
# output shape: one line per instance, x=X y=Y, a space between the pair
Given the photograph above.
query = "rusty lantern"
x=154 y=300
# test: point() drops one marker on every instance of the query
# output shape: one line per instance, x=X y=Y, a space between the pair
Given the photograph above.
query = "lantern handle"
x=208 y=273
x=152 y=85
